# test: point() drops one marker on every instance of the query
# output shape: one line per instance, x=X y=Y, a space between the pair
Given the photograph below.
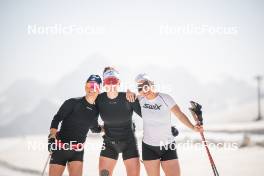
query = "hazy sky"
x=132 y=35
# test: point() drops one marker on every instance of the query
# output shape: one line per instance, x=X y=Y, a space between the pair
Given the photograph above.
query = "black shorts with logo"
x=62 y=157
x=111 y=148
x=163 y=153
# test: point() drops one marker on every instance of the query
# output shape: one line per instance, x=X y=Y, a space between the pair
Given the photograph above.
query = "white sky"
x=131 y=37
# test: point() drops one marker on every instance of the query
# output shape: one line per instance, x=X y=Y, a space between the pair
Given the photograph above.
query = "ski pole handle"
x=198 y=122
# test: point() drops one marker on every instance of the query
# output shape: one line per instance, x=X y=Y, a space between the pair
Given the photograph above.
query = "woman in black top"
x=77 y=116
x=116 y=112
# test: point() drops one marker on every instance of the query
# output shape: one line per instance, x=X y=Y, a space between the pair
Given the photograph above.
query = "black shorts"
x=62 y=157
x=128 y=148
x=163 y=153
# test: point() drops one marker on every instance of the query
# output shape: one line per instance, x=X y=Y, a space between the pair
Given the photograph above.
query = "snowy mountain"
x=28 y=106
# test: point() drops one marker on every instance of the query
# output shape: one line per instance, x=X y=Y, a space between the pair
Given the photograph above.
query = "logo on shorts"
x=149 y=106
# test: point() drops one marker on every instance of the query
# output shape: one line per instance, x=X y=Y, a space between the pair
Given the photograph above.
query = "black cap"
x=95 y=78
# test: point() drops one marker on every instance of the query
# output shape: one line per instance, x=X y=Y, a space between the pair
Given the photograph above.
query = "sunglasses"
x=111 y=81
x=93 y=86
x=143 y=85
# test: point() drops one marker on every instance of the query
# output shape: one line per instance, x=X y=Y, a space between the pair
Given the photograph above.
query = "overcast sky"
x=133 y=33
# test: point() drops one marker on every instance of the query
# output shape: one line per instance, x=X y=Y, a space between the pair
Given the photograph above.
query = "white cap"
x=111 y=73
x=142 y=77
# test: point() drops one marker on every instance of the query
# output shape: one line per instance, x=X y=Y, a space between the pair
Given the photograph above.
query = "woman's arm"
x=95 y=127
x=65 y=109
x=184 y=119
x=136 y=107
x=134 y=101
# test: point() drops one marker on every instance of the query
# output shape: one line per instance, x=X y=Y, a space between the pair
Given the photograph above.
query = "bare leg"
x=132 y=166
x=152 y=167
x=56 y=170
x=106 y=165
x=171 y=167
x=75 y=168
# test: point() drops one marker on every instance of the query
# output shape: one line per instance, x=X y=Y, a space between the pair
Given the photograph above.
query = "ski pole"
x=196 y=109
x=45 y=166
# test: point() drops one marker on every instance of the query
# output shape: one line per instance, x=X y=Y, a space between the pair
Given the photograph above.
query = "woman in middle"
x=116 y=112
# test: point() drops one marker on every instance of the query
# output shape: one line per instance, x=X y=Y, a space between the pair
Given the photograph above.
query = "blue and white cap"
x=95 y=78
x=111 y=74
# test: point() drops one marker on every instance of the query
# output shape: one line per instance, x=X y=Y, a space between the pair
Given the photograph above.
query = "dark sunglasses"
x=140 y=86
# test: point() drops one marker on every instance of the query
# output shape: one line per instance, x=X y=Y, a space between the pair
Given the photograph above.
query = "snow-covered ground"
x=30 y=153
x=250 y=127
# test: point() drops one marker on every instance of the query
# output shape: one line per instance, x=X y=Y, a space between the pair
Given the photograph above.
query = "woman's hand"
x=130 y=96
x=51 y=142
x=198 y=128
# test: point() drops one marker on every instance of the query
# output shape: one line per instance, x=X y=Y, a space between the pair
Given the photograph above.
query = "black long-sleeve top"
x=77 y=116
x=117 y=115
